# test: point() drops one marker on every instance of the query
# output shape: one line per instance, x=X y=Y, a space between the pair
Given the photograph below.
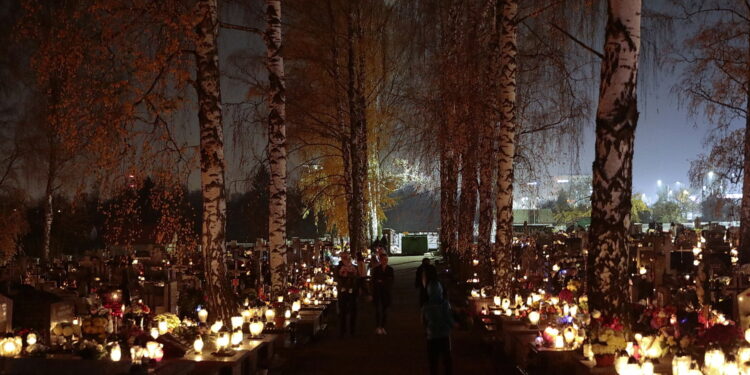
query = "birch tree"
x=276 y=145
x=616 y=120
x=213 y=240
x=508 y=30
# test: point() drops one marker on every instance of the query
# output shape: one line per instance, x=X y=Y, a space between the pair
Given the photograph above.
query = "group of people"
x=436 y=314
x=352 y=282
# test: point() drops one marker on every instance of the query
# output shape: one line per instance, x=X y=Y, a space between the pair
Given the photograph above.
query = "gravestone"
x=40 y=310
x=6 y=314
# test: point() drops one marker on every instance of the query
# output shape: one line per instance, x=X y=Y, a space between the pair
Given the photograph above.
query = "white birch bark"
x=616 y=120
x=506 y=146
x=221 y=304
x=276 y=145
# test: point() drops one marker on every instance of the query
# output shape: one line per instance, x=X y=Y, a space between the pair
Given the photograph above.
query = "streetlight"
x=658 y=183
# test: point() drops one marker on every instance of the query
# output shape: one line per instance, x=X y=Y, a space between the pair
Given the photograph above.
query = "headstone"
x=6 y=314
x=40 y=310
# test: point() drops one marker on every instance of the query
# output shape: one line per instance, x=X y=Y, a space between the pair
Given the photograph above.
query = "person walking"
x=382 y=283
x=346 y=275
x=419 y=282
x=438 y=322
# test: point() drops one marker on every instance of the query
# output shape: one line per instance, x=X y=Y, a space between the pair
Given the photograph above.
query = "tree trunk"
x=506 y=147
x=744 y=250
x=447 y=106
x=467 y=208
x=48 y=219
x=487 y=151
x=358 y=139
x=616 y=120
x=221 y=304
x=448 y=194
x=276 y=146
x=340 y=120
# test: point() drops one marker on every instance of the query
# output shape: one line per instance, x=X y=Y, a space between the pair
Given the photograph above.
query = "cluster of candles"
x=639 y=357
x=715 y=362
x=571 y=337
x=153 y=350
x=317 y=293
x=256 y=319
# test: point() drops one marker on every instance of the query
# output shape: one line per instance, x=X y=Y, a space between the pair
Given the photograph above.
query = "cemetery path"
x=401 y=351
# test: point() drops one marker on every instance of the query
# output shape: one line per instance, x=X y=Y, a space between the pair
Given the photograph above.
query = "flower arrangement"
x=608 y=341
x=66 y=331
x=95 y=328
x=173 y=321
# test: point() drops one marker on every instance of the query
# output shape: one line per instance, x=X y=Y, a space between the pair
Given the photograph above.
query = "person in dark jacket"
x=346 y=275
x=382 y=283
x=419 y=282
x=438 y=322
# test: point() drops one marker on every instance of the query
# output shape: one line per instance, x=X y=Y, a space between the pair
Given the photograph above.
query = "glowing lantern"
x=222 y=342
x=296 y=306
x=154 y=332
x=198 y=345
x=256 y=328
x=287 y=314
x=534 y=318
x=236 y=338
x=713 y=360
x=216 y=327
x=246 y=315
x=237 y=322
x=569 y=334
x=506 y=304
x=496 y=300
x=115 y=354
x=743 y=354
x=202 y=315
x=554 y=301
x=31 y=338
x=681 y=364
x=152 y=348
x=747 y=335
x=559 y=342
x=9 y=347
x=162 y=327
x=270 y=314
x=621 y=362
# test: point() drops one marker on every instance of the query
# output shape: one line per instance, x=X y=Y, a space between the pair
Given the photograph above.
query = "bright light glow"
x=198 y=345
x=116 y=353
x=563 y=181
x=658 y=182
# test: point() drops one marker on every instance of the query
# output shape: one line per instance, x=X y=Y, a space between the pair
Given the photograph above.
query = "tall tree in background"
x=616 y=120
x=213 y=239
x=357 y=126
x=716 y=84
x=276 y=144
x=448 y=109
x=487 y=134
x=508 y=29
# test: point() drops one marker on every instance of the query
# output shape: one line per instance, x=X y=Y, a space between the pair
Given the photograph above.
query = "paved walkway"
x=402 y=351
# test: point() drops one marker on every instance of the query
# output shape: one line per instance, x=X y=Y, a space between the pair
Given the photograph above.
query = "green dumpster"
x=414 y=244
